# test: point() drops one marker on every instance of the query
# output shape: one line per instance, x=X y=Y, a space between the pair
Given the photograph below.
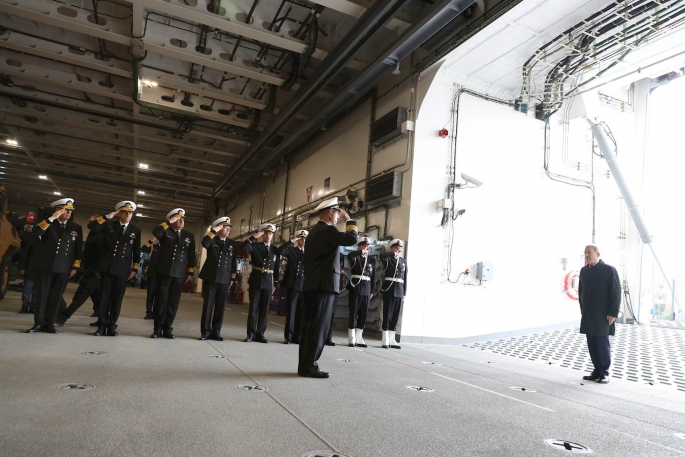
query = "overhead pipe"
x=373 y=19
x=439 y=16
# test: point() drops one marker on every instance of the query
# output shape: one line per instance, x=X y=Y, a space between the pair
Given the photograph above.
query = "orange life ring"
x=570 y=284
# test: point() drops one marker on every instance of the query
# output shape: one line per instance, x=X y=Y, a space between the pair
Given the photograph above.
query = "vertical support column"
x=137 y=49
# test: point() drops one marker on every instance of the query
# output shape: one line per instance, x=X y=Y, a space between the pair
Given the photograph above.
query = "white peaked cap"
x=328 y=204
x=222 y=221
x=175 y=211
x=125 y=205
x=364 y=239
x=301 y=234
x=267 y=228
x=397 y=242
x=66 y=203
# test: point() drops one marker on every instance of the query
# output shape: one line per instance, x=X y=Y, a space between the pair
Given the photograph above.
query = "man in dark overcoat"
x=599 y=295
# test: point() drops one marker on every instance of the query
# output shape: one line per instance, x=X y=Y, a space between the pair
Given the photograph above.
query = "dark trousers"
x=294 y=310
x=169 y=295
x=391 y=311
x=88 y=286
x=259 y=307
x=359 y=307
x=51 y=287
x=112 y=290
x=152 y=296
x=600 y=353
x=318 y=309
x=28 y=297
x=329 y=335
x=214 y=297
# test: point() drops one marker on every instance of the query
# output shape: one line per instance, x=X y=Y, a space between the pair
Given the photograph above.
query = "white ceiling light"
x=143 y=166
x=139 y=215
x=12 y=142
x=57 y=193
x=141 y=192
x=140 y=205
x=42 y=177
x=148 y=83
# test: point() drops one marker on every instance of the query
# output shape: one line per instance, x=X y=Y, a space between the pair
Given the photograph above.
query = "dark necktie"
x=64 y=225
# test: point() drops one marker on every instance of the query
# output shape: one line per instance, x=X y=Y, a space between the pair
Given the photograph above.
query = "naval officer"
x=394 y=289
x=119 y=261
x=294 y=280
x=57 y=257
x=265 y=265
x=175 y=268
x=218 y=272
x=362 y=280
x=322 y=283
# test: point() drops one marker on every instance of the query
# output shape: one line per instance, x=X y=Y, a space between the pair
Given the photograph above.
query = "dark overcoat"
x=322 y=256
x=599 y=294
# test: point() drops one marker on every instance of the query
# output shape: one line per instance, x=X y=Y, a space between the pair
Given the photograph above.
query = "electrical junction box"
x=484 y=271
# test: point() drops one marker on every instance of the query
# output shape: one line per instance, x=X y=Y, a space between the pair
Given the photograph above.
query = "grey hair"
x=593 y=246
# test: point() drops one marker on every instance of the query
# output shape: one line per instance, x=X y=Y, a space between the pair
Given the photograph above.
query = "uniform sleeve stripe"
x=191 y=270
x=232 y=275
x=135 y=266
x=164 y=225
x=352 y=228
x=211 y=235
x=101 y=220
x=77 y=264
x=44 y=225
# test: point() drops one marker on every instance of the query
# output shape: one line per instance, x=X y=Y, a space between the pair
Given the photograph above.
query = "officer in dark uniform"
x=322 y=283
x=29 y=296
x=118 y=262
x=57 y=257
x=265 y=263
x=362 y=279
x=89 y=282
x=394 y=289
x=294 y=280
x=152 y=249
x=218 y=272
x=175 y=268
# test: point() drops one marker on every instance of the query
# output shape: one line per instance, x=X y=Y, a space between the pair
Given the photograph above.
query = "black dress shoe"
x=602 y=380
x=36 y=329
x=156 y=334
x=50 y=329
x=360 y=345
x=99 y=332
x=23 y=310
x=248 y=339
x=32 y=310
x=215 y=338
x=329 y=343
x=95 y=324
x=112 y=333
x=314 y=374
x=396 y=346
x=168 y=335
x=148 y=317
x=592 y=377
x=386 y=347
x=261 y=340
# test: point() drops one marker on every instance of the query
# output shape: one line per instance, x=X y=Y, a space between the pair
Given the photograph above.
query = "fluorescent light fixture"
x=143 y=165
x=12 y=142
x=140 y=205
x=141 y=192
x=42 y=177
x=139 y=215
x=57 y=193
x=148 y=83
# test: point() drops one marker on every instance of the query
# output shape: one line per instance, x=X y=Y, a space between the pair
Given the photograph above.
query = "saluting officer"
x=57 y=257
x=294 y=281
x=394 y=289
x=362 y=279
x=322 y=283
x=89 y=282
x=118 y=262
x=152 y=249
x=218 y=273
x=265 y=263
x=176 y=267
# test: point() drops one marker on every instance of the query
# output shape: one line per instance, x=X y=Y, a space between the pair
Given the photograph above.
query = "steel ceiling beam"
x=373 y=19
x=439 y=16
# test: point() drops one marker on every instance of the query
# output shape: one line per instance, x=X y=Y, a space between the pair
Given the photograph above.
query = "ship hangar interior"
x=495 y=138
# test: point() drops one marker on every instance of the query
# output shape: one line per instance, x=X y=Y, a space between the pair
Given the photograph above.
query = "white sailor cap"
x=267 y=228
x=176 y=211
x=364 y=240
x=63 y=203
x=222 y=221
x=301 y=234
x=328 y=204
x=396 y=242
x=126 y=205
